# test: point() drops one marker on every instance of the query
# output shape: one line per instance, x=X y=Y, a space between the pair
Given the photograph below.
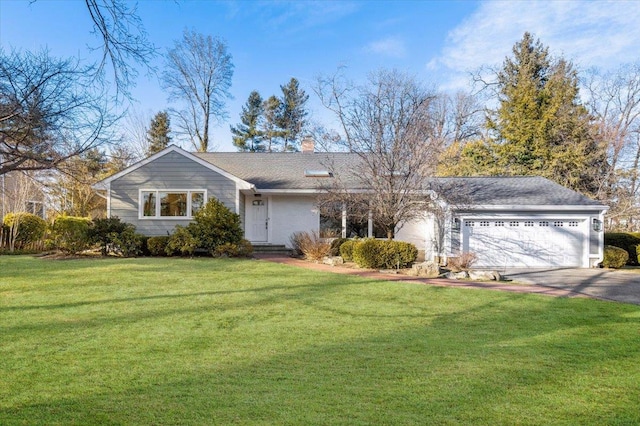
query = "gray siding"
x=171 y=171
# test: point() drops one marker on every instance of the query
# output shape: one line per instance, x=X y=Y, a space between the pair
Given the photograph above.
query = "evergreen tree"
x=158 y=134
x=270 y=127
x=247 y=136
x=540 y=127
x=292 y=118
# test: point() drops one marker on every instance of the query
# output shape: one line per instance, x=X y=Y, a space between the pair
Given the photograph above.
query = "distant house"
x=21 y=192
x=506 y=221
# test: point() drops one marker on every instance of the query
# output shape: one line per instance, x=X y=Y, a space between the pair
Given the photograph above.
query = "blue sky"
x=271 y=41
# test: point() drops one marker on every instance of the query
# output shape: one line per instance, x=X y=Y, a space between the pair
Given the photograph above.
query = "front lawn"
x=204 y=341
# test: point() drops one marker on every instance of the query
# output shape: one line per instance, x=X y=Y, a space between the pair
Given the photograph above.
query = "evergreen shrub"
x=614 y=257
x=157 y=245
x=384 y=254
x=335 y=246
x=181 y=242
x=104 y=232
x=626 y=241
x=30 y=228
x=70 y=234
x=127 y=243
x=241 y=249
x=346 y=250
x=214 y=225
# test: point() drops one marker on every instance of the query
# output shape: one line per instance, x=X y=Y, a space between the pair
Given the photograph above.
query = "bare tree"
x=198 y=73
x=123 y=39
x=135 y=132
x=388 y=123
x=49 y=111
x=614 y=101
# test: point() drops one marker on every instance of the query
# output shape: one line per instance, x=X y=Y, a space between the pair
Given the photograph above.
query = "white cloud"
x=603 y=34
x=390 y=46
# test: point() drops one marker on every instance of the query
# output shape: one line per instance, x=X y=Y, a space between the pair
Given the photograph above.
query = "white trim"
x=109 y=200
x=593 y=208
x=241 y=184
x=141 y=215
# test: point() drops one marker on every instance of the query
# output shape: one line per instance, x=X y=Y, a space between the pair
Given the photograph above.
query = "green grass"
x=203 y=341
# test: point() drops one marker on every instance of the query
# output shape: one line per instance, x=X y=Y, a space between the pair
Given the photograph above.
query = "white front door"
x=259 y=221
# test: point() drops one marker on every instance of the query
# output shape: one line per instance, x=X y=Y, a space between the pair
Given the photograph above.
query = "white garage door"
x=525 y=243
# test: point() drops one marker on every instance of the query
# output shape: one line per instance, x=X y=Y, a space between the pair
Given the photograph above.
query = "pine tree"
x=271 y=131
x=158 y=134
x=292 y=120
x=540 y=126
x=247 y=136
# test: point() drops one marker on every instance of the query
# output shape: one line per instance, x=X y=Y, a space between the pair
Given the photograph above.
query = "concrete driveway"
x=608 y=284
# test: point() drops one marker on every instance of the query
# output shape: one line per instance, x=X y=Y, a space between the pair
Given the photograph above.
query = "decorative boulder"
x=485 y=275
x=462 y=275
x=425 y=269
x=333 y=260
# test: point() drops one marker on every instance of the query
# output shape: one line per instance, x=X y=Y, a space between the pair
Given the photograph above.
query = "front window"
x=148 y=204
x=171 y=203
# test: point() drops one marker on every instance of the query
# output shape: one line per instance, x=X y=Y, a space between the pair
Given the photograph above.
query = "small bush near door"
x=214 y=225
x=614 y=257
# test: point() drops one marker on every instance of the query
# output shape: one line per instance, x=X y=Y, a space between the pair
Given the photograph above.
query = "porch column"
x=344 y=220
x=370 y=224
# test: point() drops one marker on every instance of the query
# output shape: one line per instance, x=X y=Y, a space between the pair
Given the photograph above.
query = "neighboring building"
x=505 y=221
x=21 y=192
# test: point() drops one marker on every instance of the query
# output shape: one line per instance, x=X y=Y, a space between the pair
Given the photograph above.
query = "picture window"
x=171 y=203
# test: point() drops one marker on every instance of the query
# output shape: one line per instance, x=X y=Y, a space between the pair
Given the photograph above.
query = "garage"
x=526 y=242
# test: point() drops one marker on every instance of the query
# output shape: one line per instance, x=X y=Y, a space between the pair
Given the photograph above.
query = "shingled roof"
x=286 y=171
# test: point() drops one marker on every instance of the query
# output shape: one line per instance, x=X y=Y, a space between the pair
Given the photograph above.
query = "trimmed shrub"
x=29 y=228
x=214 y=225
x=385 y=254
x=104 y=232
x=310 y=245
x=626 y=241
x=335 y=246
x=242 y=249
x=70 y=234
x=346 y=250
x=182 y=242
x=614 y=257
x=157 y=246
x=127 y=243
x=144 y=249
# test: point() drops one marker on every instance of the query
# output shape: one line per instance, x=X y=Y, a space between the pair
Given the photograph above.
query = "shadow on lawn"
x=495 y=361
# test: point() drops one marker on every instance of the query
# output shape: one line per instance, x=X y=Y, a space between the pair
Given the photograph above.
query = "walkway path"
x=440 y=282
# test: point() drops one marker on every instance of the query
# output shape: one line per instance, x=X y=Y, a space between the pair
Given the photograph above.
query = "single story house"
x=506 y=222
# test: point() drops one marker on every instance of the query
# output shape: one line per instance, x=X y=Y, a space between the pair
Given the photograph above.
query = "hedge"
x=626 y=241
x=385 y=254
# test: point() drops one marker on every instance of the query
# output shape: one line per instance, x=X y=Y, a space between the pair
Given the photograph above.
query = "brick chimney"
x=308 y=145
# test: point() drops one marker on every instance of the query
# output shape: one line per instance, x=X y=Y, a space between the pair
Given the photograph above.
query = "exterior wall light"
x=597 y=224
x=456 y=224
